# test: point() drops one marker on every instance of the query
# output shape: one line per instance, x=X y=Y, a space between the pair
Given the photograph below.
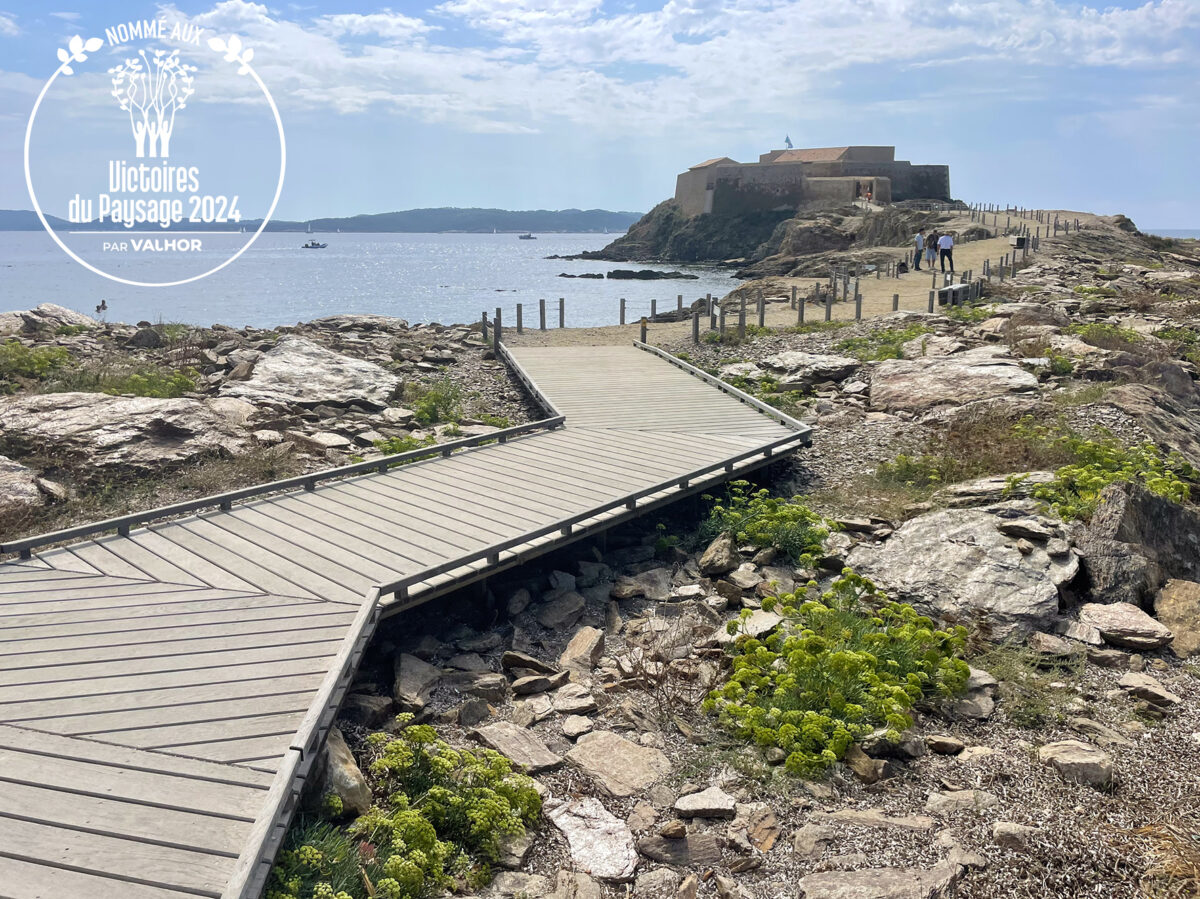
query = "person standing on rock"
x=946 y=246
x=920 y=241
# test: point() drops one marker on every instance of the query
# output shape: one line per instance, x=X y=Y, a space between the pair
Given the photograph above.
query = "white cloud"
x=521 y=66
x=67 y=16
x=8 y=25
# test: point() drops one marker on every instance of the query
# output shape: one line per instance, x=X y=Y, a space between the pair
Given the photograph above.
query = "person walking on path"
x=946 y=246
x=920 y=240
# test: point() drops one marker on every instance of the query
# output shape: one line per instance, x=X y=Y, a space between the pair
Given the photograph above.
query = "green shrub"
x=439 y=811
x=818 y=326
x=393 y=446
x=913 y=471
x=436 y=403
x=151 y=381
x=34 y=363
x=843 y=663
x=884 y=344
x=71 y=330
x=757 y=517
x=1059 y=363
x=1095 y=291
x=1097 y=463
x=496 y=421
x=970 y=314
x=1105 y=336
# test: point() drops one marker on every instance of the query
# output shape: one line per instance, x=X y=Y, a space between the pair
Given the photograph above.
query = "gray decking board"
x=172 y=671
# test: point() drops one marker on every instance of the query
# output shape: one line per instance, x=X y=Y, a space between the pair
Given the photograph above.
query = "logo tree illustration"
x=152 y=89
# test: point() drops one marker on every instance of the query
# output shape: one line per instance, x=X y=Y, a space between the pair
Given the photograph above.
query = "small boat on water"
x=526 y=236
x=313 y=245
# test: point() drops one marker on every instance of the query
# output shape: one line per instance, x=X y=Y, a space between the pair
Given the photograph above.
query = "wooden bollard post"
x=484 y=324
x=542 y=314
x=932 y=299
x=793 y=296
x=762 y=309
x=562 y=312
x=742 y=318
x=695 y=326
x=933 y=281
x=653 y=308
x=679 y=303
x=622 y=310
x=497 y=326
x=828 y=307
x=520 y=323
x=712 y=315
x=643 y=329
x=895 y=301
x=722 y=331
x=857 y=305
x=800 y=302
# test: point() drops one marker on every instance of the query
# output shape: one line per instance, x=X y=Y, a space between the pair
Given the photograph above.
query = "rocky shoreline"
x=1064 y=767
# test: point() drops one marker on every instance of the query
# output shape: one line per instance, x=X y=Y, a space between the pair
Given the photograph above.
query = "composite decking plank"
x=146 y=611
x=155 y=565
x=142 y=681
x=245 y=749
x=402 y=503
x=160 y=865
x=169 y=737
x=102 y=559
x=463 y=483
x=245 y=559
x=489 y=498
x=45 y=710
x=132 y=628
x=23 y=879
x=350 y=508
x=62 y=559
x=172 y=645
x=197 y=564
x=110 y=725
x=124 y=819
x=65 y=672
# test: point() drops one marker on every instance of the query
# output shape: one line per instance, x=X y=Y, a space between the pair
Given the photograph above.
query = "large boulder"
x=721 y=556
x=1135 y=542
x=920 y=384
x=1178 y=608
x=414 y=682
x=297 y=371
x=797 y=370
x=622 y=768
x=18 y=488
x=342 y=777
x=47 y=316
x=129 y=434
x=1122 y=624
x=601 y=843
x=957 y=564
x=1078 y=762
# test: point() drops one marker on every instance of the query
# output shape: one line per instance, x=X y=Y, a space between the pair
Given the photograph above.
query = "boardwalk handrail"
x=270 y=827
x=123 y=523
x=629 y=500
x=765 y=408
x=523 y=376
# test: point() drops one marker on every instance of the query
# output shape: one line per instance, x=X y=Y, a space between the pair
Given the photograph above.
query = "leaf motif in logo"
x=75 y=45
x=93 y=44
x=63 y=55
x=248 y=55
x=235 y=44
x=215 y=43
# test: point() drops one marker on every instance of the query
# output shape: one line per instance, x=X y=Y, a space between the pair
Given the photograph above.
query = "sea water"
x=448 y=278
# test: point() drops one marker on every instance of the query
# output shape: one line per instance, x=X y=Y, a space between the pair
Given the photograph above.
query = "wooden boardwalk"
x=167 y=681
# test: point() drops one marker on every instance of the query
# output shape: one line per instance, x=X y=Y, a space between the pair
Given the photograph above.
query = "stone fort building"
x=792 y=178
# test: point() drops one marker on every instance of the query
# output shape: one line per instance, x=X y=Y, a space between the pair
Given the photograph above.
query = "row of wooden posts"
x=980 y=212
x=968 y=289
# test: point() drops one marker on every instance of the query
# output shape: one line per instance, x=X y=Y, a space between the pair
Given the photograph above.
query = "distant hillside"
x=408 y=221
x=26 y=220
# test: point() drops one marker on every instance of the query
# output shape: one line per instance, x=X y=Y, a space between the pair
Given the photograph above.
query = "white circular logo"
x=150 y=150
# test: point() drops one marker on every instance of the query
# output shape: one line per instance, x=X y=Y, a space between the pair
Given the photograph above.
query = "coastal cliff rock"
x=960 y=565
x=299 y=372
x=121 y=433
x=18 y=487
x=919 y=384
x=47 y=316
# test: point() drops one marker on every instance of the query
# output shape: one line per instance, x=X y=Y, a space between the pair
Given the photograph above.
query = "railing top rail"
x=562 y=523
x=523 y=376
x=765 y=408
x=307 y=481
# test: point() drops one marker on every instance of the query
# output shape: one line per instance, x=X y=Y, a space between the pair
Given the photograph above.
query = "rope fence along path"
x=167 y=679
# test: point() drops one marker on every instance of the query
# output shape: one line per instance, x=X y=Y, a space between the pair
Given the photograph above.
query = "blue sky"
x=588 y=103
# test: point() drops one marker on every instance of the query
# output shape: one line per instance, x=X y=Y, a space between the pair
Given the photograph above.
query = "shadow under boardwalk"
x=165 y=689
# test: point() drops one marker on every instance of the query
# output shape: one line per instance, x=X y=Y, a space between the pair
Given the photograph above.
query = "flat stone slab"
x=297 y=371
x=621 y=767
x=601 y=843
x=1124 y=624
x=524 y=747
x=916 y=385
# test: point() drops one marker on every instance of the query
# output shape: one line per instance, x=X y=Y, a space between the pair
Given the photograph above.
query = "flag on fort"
x=787 y=141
